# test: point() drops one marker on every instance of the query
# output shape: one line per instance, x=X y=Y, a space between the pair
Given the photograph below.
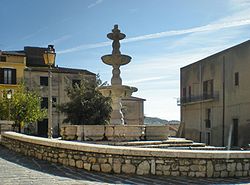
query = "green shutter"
x=13 y=77
x=1 y=76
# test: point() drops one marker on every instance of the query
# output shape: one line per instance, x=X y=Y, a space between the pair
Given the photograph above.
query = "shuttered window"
x=7 y=76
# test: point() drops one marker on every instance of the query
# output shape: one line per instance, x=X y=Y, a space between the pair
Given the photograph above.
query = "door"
x=234 y=141
x=42 y=128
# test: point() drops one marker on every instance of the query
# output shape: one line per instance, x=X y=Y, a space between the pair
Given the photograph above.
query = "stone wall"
x=6 y=125
x=129 y=160
x=114 y=132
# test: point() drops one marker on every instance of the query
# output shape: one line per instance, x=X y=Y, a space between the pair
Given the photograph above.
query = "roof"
x=16 y=53
x=60 y=70
x=133 y=98
x=219 y=53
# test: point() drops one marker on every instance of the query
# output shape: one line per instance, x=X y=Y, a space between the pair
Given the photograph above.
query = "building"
x=12 y=66
x=36 y=78
x=133 y=110
x=215 y=98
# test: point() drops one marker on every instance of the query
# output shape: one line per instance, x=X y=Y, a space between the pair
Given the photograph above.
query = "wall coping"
x=129 y=151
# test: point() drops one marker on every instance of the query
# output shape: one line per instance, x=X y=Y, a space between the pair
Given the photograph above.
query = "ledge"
x=128 y=151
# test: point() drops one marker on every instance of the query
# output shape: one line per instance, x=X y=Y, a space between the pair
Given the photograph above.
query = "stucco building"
x=36 y=78
x=215 y=98
x=12 y=66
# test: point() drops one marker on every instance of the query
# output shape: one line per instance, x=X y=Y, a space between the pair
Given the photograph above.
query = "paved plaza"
x=17 y=169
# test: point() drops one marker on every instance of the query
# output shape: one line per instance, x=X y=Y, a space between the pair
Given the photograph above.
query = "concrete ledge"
x=131 y=160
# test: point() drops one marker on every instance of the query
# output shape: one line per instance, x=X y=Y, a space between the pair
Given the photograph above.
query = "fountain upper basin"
x=116 y=59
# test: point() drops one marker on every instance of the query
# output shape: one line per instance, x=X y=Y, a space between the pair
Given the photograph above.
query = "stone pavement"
x=16 y=169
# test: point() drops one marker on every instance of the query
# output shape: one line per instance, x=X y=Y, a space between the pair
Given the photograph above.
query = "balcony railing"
x=200 y=98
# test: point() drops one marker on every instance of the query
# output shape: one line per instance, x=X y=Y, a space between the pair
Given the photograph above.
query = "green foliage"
x=23 y=107
x=87 y=106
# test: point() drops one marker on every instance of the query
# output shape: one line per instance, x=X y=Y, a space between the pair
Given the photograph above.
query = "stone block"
x=210 y=169
x=117 y=167
x=184 y=168
x=79 y=164
x=72 y=162
x=128 y=168
x=106 y=168
x=102 y=160
x=96 y=167
x=238 y=173
x=123 y=132
x=246 y=166
x=231 y=166
x=156 y=132
x=200 y=174
x=220 y=167
x=224 y=174
x=92 y=159
x=239 y=167
x=176 y=173
x=93 y=132
x=87 y=166
x=143 y=168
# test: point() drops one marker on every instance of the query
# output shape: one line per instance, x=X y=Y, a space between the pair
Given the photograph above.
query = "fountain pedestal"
x=116 y=91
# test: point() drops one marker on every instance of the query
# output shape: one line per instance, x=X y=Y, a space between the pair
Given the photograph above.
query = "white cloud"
x=60 y=39
x=95 y=3
x=206 y=28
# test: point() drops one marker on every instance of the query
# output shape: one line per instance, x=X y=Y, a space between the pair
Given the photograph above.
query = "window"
x=208 y=88
x=208 y=118
x=43 y=80
x=189 y=93
x=184 y=94
x=7 y=76
x=236 y=78
x=76 y=82
x=54 y=101
x=44 y=103
x=3 y=58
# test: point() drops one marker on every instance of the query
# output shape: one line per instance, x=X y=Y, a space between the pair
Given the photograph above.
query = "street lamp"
x=9 y=93
x=49 y=59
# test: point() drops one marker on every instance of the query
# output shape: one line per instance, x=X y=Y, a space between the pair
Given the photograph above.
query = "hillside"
x=155 y=120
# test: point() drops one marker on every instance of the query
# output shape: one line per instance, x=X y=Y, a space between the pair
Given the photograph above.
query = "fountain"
x=117 y=91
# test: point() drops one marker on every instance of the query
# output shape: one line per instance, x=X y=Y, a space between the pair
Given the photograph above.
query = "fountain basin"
x=117 y=90
x=116 y=59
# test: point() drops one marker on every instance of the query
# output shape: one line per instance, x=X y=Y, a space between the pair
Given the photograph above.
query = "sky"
x=162 y=37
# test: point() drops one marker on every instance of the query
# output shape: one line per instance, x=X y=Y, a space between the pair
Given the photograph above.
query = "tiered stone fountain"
x=117 y=91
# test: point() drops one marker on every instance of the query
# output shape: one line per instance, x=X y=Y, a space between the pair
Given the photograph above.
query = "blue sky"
x=162 y=36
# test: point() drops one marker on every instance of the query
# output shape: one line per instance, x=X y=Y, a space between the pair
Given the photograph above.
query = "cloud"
x=60 y=39
x=143 y=80
x=95 y=3
x=206 y=28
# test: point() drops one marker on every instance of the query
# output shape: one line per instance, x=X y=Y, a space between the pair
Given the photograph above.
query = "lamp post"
x=9 y=93
x=49 y=59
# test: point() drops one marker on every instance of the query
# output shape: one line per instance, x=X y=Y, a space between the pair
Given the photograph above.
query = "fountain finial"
x=116 y=36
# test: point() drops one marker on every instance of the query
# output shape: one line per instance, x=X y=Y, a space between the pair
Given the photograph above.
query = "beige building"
x=36 y=78
x=215 y=98
x=133 y=110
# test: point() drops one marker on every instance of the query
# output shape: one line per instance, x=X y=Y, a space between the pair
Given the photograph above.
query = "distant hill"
x=155 y=120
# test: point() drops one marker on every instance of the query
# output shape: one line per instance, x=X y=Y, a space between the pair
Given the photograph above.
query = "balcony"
x=205 y=97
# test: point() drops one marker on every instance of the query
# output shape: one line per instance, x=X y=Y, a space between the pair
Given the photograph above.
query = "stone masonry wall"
x=155 y=161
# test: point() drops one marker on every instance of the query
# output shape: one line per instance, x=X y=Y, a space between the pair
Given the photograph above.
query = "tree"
x=23 y=108
x=87 y=106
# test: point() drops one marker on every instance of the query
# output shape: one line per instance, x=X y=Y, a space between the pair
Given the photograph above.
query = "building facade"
x=12 y=65
x=36 y=78
x=215 y=98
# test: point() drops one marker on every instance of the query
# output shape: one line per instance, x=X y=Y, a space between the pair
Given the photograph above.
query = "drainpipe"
x=223 y=102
